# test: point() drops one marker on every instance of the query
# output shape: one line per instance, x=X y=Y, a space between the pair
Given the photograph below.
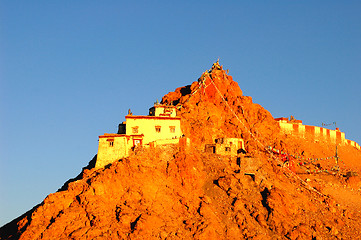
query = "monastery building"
x=160 y=127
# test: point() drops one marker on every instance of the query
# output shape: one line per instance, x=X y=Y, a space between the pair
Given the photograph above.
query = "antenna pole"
x=336 y=154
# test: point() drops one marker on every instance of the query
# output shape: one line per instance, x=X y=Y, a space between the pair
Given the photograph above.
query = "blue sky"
x=70 y=70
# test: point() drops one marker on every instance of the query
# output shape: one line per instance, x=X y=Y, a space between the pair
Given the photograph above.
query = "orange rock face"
x=175 y=192
x=214 y=107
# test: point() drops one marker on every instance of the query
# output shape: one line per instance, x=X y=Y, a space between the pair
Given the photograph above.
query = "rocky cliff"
x=176 y=192
x=214 y=106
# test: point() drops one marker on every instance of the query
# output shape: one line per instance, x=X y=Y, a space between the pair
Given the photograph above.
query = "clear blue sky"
x=69 y=71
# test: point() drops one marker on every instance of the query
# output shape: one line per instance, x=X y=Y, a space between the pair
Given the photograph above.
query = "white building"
x=161 y=126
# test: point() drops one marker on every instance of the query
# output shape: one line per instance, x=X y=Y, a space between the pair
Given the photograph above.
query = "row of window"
x=136 y=130
x=157 y=129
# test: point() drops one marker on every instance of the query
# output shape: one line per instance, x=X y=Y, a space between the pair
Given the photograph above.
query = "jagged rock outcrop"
x=172 y=192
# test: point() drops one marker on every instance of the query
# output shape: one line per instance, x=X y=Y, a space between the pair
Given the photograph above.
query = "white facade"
x=161 y=127
x=153 y=128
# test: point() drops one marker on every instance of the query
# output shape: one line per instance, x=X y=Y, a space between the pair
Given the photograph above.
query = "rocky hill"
x=173 y=192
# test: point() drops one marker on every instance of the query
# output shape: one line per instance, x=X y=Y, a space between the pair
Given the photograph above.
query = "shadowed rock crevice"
x=265 y=194
x=133 y=224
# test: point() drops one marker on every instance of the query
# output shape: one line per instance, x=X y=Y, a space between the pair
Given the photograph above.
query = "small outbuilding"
x=226 y=146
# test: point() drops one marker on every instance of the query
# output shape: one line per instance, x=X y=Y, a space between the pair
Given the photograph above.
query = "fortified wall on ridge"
x=296 y=128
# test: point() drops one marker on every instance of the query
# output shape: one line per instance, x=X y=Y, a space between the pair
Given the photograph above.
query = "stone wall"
x=317 y=133
x=112 y=147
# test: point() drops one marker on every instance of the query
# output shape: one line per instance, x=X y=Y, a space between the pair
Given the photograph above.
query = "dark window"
x=228 y=149
x=210 y=148
x=157 y=129
x=111 y=143
x=135 y=129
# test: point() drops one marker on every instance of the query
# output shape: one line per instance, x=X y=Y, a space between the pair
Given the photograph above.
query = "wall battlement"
x=295 y=127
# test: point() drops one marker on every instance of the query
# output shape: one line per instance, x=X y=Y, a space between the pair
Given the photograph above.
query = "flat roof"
x=112 y=135
x=153 y=117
